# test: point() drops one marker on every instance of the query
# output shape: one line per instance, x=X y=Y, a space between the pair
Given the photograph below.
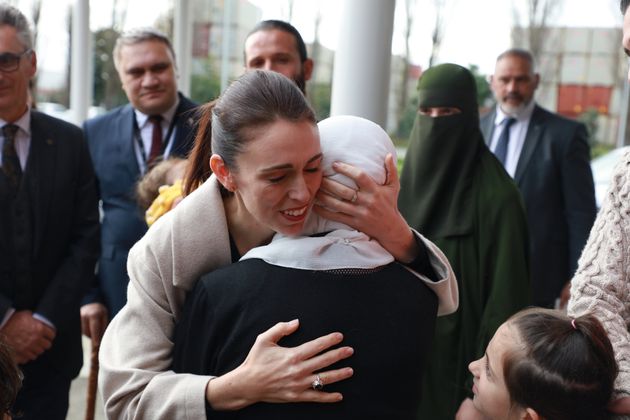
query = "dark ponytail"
x=564 y=369
x=198 y=168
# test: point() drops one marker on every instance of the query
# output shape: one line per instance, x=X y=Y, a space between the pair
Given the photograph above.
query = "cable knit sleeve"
x=601 y=285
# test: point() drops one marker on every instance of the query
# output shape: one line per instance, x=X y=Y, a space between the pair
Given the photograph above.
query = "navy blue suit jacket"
x=60 y=183
x=554 y=176
x=111 y=141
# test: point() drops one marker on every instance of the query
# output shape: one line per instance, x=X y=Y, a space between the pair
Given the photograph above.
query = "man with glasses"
x=49 y=231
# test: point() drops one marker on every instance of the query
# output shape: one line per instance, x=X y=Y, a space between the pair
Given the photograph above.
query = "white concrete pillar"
x=362 y=60
x=182 y=43
x=80 y=87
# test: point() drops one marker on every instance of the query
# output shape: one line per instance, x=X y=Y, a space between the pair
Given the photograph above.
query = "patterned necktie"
x=10 y=160
x=501 y=150
x=156 y=139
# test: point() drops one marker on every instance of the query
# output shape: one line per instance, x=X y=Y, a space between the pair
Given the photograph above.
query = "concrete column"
x=362 y=60
x=80 y=87
x=182 y=43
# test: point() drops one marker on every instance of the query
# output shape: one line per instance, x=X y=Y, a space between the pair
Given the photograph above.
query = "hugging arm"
x=135 y=354
x=136 y=380
x=269 y=373
x=136 y=358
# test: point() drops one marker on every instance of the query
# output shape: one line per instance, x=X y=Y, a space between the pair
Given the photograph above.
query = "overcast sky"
x=476 y=30
x=473 y=34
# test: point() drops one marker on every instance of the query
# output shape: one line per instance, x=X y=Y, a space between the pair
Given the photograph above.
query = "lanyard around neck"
x=138 y=138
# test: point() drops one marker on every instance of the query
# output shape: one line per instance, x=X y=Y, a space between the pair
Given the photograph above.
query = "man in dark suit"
x=549 y=158
x=158 y=122
x=49 y=231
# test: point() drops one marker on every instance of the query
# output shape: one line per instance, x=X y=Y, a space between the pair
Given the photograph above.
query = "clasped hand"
x=27 y=337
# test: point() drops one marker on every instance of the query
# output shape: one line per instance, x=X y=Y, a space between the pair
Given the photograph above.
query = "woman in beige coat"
x=262 y=118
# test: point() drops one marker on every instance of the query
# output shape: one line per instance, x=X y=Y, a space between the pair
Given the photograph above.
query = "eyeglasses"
x=10 y=62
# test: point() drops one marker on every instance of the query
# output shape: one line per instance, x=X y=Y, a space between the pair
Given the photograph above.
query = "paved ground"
x=78 y=392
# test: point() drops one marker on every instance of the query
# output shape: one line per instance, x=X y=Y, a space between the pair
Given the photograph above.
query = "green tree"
x=107 y=88
x=205 y=85
x=484 y=94
x=589 y=118
x=319 y=96
x=405 y=124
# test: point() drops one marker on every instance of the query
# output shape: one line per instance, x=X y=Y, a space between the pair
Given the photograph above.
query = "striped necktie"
x=10 y=159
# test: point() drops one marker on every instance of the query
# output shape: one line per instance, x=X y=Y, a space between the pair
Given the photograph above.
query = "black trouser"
x=44 y=394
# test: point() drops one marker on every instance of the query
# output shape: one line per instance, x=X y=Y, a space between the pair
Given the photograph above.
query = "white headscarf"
x=360 y=143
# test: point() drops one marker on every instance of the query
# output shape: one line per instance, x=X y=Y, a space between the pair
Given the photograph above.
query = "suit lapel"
x=125 y=136
x=40 y=174
x=487 y=126
x=533 y=136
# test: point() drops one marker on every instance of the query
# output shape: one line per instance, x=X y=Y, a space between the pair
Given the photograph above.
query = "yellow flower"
x=164 y=201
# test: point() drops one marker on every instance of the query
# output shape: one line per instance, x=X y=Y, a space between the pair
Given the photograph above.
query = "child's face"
x=491 y=395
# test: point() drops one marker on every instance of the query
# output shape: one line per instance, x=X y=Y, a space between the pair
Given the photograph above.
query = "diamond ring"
x=317 y=384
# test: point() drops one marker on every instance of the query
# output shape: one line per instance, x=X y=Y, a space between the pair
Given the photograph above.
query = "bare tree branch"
x=315 y=52
x=531 y=31
x=438 y=30
x=410 y=6
x=290 y=2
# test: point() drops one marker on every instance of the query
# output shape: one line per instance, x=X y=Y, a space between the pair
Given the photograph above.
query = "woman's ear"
x=530 y=414
x=222 y=172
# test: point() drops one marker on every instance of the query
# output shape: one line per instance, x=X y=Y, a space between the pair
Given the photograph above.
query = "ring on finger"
x=317 y=384
x=354 y=197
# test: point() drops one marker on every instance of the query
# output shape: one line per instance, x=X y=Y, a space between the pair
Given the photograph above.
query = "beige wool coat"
x=135 y=355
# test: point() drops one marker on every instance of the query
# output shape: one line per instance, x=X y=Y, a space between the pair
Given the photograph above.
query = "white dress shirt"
x=146 y=133
x=22 y=138
x=518 y=131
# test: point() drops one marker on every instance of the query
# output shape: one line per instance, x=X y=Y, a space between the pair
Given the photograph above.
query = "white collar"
x=167 y=116
x=24 y=122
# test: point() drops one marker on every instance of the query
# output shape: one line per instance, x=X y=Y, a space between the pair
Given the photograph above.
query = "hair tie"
x=573 y=324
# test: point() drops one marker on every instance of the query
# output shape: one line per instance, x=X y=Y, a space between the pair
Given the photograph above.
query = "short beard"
x=514 y=111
